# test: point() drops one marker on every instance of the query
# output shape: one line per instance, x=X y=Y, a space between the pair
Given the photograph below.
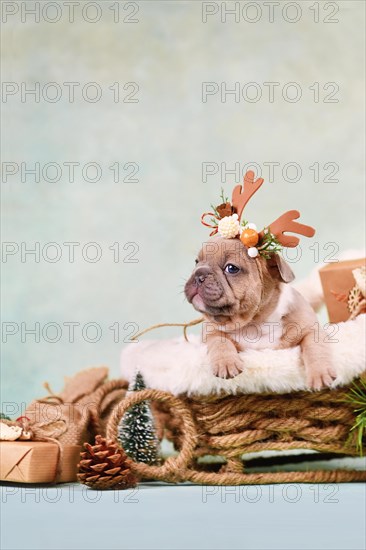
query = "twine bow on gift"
x=356 y=297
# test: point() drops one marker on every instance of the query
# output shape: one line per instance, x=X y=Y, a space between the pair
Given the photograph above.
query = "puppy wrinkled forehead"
x=221 y=250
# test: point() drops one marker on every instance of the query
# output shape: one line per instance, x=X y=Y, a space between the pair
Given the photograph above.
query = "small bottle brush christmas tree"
x=136 y=431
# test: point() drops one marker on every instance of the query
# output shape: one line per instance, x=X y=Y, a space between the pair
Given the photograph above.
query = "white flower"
x=245 y=226
x=229 y=226
x=251 y=226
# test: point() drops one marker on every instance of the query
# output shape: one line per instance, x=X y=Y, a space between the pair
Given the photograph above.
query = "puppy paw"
x=228 y=366
x=321 y=377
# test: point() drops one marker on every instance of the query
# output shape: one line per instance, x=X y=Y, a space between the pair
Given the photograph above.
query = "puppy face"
x=227 y=282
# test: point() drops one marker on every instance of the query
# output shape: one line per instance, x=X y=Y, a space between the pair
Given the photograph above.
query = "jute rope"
x=173 y=466
x=233 y=425
x=160 y=325
x=97 y=398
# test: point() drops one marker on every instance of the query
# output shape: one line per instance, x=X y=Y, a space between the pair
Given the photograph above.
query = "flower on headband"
x=229 y=226
x=224 y=209
x=225 y=220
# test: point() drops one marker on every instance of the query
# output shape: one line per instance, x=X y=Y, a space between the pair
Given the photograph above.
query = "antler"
x=242 y=193
x=286 y=223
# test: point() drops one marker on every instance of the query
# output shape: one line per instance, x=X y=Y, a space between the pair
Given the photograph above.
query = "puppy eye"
x=231 y=268
x=196 y=261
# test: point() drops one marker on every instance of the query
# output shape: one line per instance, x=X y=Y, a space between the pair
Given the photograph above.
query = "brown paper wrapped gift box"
x=69 y=418
x=36 y=461
x=337 y=279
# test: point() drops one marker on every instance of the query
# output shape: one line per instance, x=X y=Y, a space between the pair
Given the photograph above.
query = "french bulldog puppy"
x=247 y=303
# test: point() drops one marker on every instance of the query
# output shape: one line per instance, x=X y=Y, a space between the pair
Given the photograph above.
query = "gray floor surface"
x=162 y=516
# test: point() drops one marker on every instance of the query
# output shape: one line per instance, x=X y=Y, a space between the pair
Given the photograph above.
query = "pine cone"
x=105 y=465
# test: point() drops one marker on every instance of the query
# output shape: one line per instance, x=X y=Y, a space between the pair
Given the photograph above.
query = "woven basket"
x=229 y=426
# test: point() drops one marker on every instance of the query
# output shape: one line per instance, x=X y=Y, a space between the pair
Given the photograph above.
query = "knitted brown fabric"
x=230 y=426
x=84 y=406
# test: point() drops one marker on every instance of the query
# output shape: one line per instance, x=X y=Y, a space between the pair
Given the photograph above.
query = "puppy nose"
x=201 y=275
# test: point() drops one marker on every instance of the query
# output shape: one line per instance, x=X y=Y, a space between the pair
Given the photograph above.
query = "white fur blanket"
x=180 y=367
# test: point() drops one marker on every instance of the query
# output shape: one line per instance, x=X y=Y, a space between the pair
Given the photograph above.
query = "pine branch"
x=357 y=398
x=214 y=208
x=269 y=245
x=224 y=199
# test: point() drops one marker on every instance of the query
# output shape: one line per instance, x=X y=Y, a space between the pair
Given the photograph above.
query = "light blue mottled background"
x=169 y=133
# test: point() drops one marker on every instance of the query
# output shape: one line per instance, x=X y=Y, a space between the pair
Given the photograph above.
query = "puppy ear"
x=279 y=269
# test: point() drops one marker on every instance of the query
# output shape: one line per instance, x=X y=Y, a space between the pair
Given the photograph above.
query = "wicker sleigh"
x=229 y=426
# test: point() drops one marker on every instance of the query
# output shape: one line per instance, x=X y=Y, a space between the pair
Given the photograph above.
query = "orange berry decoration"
x=249 y=237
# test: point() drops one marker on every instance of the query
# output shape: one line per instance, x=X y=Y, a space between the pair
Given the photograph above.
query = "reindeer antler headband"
x=226 y=221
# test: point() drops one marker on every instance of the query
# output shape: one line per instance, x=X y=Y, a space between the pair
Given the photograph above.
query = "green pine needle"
x=214 y=220
x=357 y=398
x=269 y=245
x=214 y=208
x=222 y=197
x=224 y=200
